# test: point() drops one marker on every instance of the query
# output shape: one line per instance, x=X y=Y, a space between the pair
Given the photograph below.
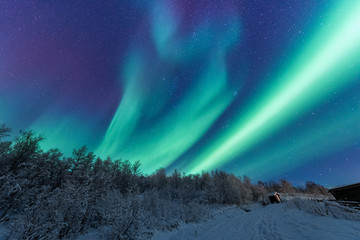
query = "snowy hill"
x=275 y=222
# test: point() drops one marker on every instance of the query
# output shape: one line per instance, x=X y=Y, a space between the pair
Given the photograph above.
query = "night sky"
x=268 y=89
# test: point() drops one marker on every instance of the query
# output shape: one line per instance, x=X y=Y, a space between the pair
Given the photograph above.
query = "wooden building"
x=347 y=193
x=274 y=197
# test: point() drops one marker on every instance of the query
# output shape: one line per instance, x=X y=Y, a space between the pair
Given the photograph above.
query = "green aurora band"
x=132 y=134
x=164 y=141
x=326 y=63
x=266 y=91
x=293 y=151
x=66 y=130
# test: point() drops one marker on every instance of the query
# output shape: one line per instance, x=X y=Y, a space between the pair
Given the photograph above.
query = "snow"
x=276 y=221
x=4 y=232
x=296 y=219
x=91 y=235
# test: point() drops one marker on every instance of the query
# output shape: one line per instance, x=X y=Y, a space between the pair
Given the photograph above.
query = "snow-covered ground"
x=273 y=222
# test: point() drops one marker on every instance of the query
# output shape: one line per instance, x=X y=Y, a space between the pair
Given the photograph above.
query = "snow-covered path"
x=273 y=222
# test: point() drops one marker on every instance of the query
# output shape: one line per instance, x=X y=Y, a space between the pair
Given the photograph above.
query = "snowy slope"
x=273 y=222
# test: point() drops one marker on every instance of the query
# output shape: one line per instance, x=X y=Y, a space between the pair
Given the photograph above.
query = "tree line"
x=45 y=195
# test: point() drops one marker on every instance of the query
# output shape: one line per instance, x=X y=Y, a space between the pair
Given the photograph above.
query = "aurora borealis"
x=258 y=88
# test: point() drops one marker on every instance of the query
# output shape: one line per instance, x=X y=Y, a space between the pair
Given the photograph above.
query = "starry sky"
x=267 y=89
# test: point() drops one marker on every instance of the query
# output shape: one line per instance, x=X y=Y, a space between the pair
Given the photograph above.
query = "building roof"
x=347 y=193
x=347 y=187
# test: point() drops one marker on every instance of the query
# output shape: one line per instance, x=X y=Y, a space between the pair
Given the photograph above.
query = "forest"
x=46 y=195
